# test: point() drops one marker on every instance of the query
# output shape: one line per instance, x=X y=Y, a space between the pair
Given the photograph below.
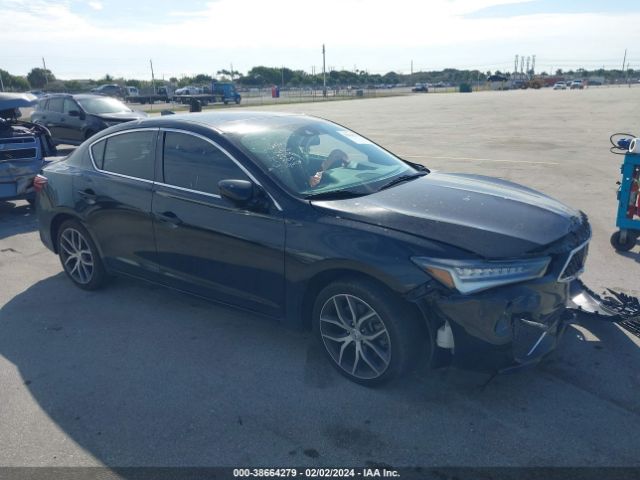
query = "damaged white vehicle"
x=23 y=148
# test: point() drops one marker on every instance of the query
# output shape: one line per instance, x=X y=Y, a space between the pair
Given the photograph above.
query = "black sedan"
x=72 y=119
x=304 y=220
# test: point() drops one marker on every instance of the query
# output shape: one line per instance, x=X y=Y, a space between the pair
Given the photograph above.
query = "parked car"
x=420 y=87
x=301 y=219
x=111 y=90
x=23 y=148
x=576 y=85
x=560 y=86
x=72 y=119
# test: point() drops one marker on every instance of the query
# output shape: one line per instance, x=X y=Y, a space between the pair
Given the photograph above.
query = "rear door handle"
x=170 y=218
x=88 y=195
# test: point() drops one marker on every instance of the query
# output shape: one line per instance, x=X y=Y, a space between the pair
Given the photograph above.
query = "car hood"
x=122 y=116
x=16 y=100
x=490 y=217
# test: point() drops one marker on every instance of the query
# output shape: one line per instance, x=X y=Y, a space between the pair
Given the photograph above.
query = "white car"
x=560 y=86
x=577 y=85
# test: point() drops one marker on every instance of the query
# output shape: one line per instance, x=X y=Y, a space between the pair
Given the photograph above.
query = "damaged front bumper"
x=503 y=329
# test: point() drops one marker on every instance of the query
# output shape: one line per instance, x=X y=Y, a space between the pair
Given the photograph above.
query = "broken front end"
x=514 y=325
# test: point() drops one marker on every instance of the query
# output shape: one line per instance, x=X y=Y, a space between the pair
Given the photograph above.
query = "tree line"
x=261 y=76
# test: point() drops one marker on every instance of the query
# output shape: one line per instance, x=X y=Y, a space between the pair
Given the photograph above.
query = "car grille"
x=575 y=263
x=18 y=154
x=9 y=141
x=569 y=253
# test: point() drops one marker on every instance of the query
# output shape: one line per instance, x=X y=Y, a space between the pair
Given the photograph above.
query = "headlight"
x=469 y=276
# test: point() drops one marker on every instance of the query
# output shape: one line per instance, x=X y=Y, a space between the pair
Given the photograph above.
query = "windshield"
x=98 y=106
x=312 y=157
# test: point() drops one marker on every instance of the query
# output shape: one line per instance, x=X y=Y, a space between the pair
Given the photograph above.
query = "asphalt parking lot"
x=136 y=375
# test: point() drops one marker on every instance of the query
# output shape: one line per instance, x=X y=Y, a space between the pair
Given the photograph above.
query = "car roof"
x=78 y=96
x=225 y=121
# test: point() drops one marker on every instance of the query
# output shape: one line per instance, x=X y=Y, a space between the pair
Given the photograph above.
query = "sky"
x=88 y=39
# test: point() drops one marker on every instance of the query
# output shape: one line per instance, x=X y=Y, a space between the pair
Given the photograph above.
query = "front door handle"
x=170 y=218
x=88 y=195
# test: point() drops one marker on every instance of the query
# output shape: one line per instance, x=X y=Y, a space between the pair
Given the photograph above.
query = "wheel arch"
x=56 y=223
x=302 y=312
x=54 y=227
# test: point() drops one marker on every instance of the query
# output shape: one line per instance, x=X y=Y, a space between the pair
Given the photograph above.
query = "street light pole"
x=324 y=74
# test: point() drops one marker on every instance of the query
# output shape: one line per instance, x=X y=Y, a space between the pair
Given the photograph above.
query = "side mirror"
x=244 y=193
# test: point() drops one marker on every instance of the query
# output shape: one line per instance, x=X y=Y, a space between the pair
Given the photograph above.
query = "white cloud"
x=96 y=5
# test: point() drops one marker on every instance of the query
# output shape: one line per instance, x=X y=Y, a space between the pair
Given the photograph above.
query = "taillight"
x=39 y=182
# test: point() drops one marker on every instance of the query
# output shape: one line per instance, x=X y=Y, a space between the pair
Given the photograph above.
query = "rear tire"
x=368 y=334
x=79 y=256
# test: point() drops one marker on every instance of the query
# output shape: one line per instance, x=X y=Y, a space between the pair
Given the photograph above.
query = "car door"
x=115 y=200
x=207 y=245
x=71 y=124
x=53 y=119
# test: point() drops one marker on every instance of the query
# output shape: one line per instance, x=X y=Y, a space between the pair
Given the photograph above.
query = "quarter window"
x=193 y=163
x=130 y=154
x=97 y=152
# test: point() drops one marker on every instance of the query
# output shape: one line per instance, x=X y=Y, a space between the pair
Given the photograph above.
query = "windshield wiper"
x=402 y=178
x=334 y=195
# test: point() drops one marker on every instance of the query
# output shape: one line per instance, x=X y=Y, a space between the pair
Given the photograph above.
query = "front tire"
x=79 y=256
x=369 y=335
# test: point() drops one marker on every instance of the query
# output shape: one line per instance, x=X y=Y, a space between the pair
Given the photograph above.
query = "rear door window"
x=194 y=163
x=131 y=154
x=56 y=104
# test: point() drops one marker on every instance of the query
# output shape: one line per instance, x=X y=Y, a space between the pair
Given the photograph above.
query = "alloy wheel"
x=77 y=257
x=355 y=336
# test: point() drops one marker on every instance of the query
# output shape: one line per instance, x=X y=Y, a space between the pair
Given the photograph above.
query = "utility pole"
x=627 y=74
x=231 y=72
x=533 y=65
x=46 y=77
x=624 y=59
x=1 y=83
x=515 y=68
x=324 y=74
x=282 y=74
x=412 y=68
x=153 y=80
